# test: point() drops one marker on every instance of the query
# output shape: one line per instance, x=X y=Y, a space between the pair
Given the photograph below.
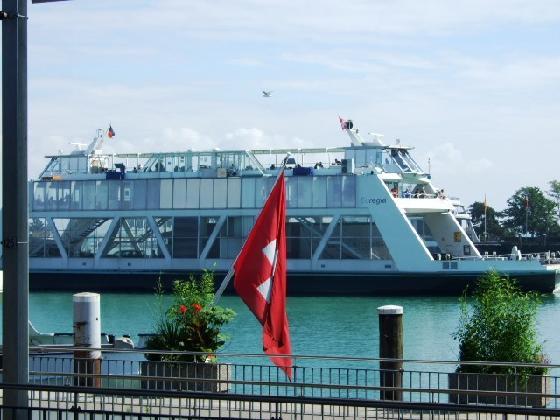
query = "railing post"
x=87 y=333
x=391 y=347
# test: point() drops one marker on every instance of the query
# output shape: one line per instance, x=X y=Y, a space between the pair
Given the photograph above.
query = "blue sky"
x=474 y=85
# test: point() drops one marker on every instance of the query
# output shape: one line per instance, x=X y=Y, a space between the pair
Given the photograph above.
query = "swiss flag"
x=260 y=276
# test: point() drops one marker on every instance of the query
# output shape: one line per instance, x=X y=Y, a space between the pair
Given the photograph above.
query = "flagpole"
x=485 y=208
x=526 y=214
x=231 y=271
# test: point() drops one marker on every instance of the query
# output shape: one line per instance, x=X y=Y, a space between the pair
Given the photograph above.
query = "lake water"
x=345 y=326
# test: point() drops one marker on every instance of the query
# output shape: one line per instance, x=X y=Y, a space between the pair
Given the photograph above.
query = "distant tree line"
x=530 y=213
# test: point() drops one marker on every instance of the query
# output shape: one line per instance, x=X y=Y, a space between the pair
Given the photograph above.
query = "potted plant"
x=191 y=324
x=499 y=326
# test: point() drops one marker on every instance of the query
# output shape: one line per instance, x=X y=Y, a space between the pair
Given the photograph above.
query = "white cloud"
x=252 y=19
x=447 y=159
x=255 y=138
x=246 y=62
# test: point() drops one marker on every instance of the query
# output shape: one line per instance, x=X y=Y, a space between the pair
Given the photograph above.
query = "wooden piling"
x=391 y=347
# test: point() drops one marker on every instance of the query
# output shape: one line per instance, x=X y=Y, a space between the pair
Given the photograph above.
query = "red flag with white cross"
x=260 y=276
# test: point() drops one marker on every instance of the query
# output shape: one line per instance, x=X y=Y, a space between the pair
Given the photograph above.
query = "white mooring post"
x=87 y=333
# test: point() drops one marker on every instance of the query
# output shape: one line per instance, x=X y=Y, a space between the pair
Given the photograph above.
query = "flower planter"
x=185 y=376
x=499 y=383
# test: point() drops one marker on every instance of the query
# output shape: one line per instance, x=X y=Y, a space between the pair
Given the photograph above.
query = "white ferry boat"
x=362 y=219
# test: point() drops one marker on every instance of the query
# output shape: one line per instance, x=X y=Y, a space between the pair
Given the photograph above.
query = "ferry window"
x=332 y=247
x=139 y=194
x=360 y=158
x=207 y=226
x=114 y=194
x=64 y=165
x=185 y=237
x=166 y=194
x=248 y=192
x=234 y=193
x=64 y=195
x=231 y=243
x=320 y=225
x=379 y=250
x=371 y=157
x=319 y=191
x=302 y=236
x=206 y=193
x=165 y=226
x=248 y=223
x=333 y=191
x=64 y=229
x=220 y=193
x=348 y=191
x=152 y=194
x=101 y=195
x=37 y=236
x=193 y=193
x=51 y=248
x=179 y=193
x=88 y=202
x=51 y=196
x=304 y=193
x=263 y=186
x=355 y=238
x=133 y=238
x=126 y=194
x=81 y=236
x=38 y=196
x=73 y=165
x=76 y=193
x=82 y=165
x=291 y=191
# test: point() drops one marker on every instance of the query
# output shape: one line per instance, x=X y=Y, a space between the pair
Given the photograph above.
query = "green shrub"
x=499 y=325
x=192 y=323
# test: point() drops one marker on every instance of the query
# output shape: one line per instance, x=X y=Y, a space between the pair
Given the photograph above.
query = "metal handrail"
x=70 y=348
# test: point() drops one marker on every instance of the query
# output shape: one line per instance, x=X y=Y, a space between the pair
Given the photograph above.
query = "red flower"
x=197 y=307
x=182 y=309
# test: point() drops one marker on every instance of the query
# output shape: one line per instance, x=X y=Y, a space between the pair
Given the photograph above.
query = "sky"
x=472 y=85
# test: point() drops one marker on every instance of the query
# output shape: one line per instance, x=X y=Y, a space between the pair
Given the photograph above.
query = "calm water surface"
x=345 y=326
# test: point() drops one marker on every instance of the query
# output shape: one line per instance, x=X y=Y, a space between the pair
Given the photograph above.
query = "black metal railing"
x=241 y=384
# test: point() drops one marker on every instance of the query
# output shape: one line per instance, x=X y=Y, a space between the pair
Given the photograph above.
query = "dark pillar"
x=14 y=193
x=391 y=347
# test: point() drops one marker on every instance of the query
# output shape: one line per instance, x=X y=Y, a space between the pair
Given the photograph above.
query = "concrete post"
x=87 y=333
x=391 y=347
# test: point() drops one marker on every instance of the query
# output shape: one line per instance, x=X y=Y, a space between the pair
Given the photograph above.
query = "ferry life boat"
x=361 y=219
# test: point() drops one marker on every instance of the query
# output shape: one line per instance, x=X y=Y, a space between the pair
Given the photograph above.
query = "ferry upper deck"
x=364 y=208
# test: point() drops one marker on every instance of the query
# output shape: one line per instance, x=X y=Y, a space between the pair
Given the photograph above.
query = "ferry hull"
x=299 y=284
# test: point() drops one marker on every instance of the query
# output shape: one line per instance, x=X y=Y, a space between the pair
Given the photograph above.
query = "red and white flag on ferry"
x=260 y=276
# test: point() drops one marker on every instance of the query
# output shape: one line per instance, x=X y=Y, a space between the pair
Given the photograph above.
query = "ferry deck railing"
x=248 y=386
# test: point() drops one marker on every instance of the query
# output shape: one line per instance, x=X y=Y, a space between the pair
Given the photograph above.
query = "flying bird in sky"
x=266 y=93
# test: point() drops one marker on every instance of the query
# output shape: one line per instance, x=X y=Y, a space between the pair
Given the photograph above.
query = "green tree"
x=554 y=192
x=493 y=228
x=499 y=325
x=529 y=211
